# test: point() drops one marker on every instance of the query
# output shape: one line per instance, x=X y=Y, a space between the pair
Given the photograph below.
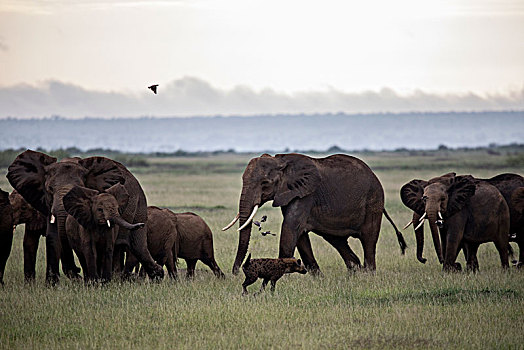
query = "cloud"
x=191 y=96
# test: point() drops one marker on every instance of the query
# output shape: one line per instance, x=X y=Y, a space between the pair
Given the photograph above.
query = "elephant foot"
x=52 y=280
x=156 y=273
x=315 y=272
x=455 y=267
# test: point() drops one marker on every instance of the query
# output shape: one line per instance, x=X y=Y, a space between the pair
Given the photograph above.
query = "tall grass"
x=404 y=304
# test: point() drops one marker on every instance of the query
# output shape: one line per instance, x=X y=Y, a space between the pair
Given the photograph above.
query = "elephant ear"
x=446 y=179
x=300 y=178
x=78 y=203
x=102 y=173
x=517 y=200
x=120 y=193
x=411 y=195
x=460 y=191
x=27 y=175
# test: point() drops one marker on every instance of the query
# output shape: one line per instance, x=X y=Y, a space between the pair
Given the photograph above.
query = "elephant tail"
x=400 y=238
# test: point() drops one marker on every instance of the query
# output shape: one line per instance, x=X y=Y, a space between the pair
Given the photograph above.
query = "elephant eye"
x=424 y=198
x=99 y=210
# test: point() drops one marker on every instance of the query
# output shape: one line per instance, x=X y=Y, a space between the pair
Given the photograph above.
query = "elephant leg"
x=68 y=260
x=273 y=285
x=306 y=253
x=191 y=263
x=470 y=250
x=247 y=282
x=213 y=266
x=452 y=249
x=52 y=251
x=369 y=237
x=263 y=285
x=520 y=243
x=6 y=241
x=130 y=264
x=89 y=253
x=107 y=270
x=171 y=265
x=31 y=241
x=138 y=246
x=341 y=245
x=502 y=246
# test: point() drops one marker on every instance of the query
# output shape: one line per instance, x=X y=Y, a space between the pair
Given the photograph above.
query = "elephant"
x=335 y=197
x=6 y=231
x=35 y=227
x=91 y=229
x=178 y=235
x=21 y=212
x=508 y=184
x=469 y=212
x=43 y=182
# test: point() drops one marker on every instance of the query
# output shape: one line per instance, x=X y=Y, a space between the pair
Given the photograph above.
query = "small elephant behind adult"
x=178 y=235
x=91 y=227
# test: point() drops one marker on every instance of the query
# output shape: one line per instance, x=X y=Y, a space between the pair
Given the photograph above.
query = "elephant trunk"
x=432 y=218
x=419 y=236
x=246 y=205
x=123 y=223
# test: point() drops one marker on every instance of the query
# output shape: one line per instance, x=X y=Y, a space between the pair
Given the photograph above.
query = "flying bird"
x=153 y=88
x=264 y=218
x=267 y=233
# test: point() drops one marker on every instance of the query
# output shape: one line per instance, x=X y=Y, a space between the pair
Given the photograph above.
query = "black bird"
x=256 y=223
x=264 y=218
x=153 y=88
x=267 y=233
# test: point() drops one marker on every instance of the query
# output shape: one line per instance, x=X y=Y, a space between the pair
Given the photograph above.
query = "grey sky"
x=258 y=56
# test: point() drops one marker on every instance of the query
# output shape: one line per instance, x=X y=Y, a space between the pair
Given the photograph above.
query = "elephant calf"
x=90 y=227
x=178 y=235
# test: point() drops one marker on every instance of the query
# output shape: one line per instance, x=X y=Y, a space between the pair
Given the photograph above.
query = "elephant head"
x=436 y=200
x=93 y=209
x=281 y=178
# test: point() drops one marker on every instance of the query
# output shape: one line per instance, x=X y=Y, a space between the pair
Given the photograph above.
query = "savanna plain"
x=404 y=304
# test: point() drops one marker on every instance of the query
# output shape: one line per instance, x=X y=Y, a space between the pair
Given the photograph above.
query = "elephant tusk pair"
x=421 y=221
x=249 y=219
x=231 y=223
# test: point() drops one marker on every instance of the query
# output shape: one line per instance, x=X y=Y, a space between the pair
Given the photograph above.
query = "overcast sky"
x=97 y=57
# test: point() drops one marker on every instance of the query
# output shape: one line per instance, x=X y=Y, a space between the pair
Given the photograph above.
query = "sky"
x=79 y=58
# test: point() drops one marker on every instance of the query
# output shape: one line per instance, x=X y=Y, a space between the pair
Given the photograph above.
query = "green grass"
x=404 y=304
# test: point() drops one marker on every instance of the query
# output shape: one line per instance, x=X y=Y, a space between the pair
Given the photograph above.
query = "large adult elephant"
x=335 y=197
x=468 y=211
x=43 y=182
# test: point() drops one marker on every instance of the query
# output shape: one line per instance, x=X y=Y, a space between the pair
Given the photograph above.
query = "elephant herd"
x=97 y=209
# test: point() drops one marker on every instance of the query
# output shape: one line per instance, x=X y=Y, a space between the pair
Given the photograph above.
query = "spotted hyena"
x=269 y=270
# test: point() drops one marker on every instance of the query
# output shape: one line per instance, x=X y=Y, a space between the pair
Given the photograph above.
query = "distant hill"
x=259 y=133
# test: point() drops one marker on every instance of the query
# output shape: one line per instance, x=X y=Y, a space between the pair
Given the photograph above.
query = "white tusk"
x=409 y=223
x=440 y=215
x=108 y=223
x=250 y=218
x=423 y=216
x=231 y=223
x=52 y=219
x=421 y=223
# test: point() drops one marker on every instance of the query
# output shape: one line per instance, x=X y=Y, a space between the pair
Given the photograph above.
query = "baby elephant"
x=269 y=270
x=178 y=235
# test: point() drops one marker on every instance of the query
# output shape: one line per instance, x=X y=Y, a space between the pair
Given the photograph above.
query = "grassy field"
x=404 y=304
